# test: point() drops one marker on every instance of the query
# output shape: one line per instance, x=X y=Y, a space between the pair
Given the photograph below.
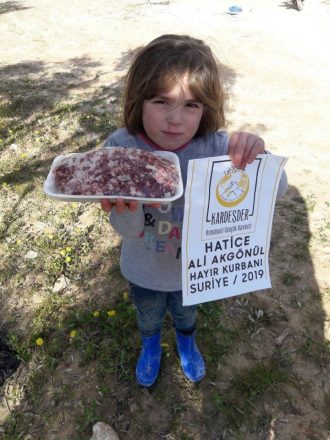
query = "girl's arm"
x=127 y=218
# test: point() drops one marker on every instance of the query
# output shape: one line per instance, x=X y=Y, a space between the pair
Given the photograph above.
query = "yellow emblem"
x=232 y=187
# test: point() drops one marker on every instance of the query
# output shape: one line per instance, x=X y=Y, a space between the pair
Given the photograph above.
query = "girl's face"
x=172 y=119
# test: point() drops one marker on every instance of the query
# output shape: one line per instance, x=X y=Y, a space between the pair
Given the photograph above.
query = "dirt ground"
x=276 y=64
x=276 y=60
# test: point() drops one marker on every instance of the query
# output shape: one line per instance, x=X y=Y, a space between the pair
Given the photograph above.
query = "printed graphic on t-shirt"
x=163 y=233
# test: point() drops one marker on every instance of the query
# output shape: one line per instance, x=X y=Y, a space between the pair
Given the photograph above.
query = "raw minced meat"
x=117 y=171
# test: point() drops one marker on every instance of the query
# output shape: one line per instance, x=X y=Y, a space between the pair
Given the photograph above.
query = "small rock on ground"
x=102 y=431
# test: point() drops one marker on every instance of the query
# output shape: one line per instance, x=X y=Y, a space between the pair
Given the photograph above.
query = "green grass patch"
x=108 y=336
x=317 y=350
x=14 y=427
x=254 y=382
x=99 y=122
x=86 y=420
x=215 y=338
x=246 y=388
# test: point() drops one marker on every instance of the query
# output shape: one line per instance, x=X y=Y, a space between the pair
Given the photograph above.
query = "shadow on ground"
x=11 y=6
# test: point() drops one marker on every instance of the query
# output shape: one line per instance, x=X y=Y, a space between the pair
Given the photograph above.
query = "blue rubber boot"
x=147 y=368
x=192 y=363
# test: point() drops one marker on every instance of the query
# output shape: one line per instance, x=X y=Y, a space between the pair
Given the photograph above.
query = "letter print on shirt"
x=162 y=233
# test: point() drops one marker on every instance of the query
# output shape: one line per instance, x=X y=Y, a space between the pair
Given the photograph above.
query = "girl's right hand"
x=120 y=205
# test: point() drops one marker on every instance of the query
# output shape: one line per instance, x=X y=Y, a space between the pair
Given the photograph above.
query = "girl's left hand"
x=120 y=205
x=244 y=147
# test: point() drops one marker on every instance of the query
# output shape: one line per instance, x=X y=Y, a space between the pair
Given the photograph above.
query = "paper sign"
x=227 y=227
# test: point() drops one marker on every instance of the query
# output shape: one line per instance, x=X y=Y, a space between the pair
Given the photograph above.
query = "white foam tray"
x=51 y=191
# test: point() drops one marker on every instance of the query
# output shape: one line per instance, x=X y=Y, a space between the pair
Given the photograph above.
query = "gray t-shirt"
x=151 y=247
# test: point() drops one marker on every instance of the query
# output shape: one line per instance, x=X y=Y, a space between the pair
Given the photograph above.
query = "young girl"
x=173 y=101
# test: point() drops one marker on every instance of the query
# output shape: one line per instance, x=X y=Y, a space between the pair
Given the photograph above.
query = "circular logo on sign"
x=232 y=187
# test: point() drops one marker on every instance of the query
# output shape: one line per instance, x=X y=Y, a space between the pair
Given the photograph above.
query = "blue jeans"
x=151 y=306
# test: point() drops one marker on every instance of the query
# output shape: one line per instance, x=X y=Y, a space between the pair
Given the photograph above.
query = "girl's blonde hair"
x=164 y=62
